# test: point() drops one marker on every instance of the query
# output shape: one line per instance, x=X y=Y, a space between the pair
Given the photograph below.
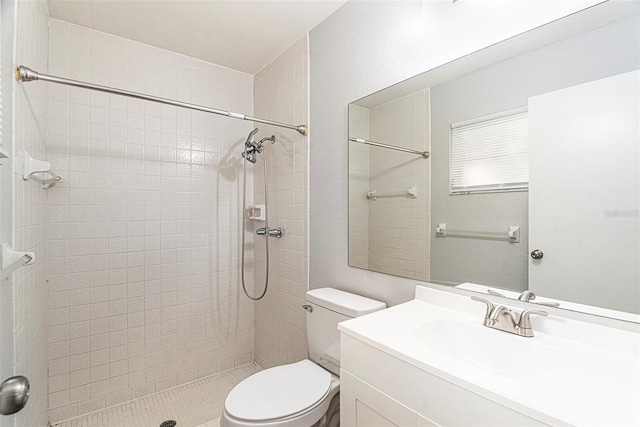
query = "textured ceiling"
x=243 y=35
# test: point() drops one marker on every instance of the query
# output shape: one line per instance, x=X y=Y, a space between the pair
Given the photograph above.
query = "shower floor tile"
x=197 y=404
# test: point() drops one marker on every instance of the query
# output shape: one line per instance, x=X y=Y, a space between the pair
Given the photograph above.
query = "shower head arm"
x=271 y=138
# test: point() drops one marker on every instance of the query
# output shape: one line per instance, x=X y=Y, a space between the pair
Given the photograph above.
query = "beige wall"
x=143 y=262
x=281 y=94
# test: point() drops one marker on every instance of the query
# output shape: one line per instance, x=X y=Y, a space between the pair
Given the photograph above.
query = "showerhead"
x=250 y=137
x=249 y=156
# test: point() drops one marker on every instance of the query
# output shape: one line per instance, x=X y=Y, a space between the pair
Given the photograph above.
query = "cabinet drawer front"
x=372 y=405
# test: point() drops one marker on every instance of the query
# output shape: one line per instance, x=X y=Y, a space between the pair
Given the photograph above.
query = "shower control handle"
x=273 y=232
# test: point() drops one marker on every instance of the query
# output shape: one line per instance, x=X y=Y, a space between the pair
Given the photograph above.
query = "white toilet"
x=302 y=394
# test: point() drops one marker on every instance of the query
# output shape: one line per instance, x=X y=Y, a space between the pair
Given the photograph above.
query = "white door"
x=583 y=194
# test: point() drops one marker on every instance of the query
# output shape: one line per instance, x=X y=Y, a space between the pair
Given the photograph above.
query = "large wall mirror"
x=514 y=168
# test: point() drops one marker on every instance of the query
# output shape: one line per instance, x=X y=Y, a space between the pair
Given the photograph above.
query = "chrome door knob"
x=14 y=394
x=536 y=254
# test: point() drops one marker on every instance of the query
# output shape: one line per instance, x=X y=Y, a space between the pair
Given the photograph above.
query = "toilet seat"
x=279 y=393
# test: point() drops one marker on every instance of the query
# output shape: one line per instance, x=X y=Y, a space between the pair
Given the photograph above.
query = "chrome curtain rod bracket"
x=424 y=154
x=25 y=74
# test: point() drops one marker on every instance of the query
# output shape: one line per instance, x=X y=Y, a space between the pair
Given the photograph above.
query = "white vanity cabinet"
x=365 y=406
x=431 y=362
x=380 y=390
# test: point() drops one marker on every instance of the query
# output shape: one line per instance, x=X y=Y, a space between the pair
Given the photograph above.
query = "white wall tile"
x=149 y=258
x=281 y=93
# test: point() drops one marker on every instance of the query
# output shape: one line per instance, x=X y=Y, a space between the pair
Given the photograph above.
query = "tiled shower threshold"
x=196 y=404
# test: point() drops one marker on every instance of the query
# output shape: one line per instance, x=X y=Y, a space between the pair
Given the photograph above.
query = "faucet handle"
x=488 y=303
x=525 y=322
x=547 y=303
x=494 y=293
x=527 y=296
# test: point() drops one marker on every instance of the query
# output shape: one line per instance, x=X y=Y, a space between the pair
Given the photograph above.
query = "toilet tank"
x=326 y=307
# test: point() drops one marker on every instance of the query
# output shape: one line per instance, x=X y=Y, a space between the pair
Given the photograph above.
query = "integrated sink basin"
x=501 y=353
x=571 y=372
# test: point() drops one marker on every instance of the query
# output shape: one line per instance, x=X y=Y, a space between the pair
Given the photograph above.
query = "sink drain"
x=168 y=423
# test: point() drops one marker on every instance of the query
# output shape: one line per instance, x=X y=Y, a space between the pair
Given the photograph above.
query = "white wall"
x=364 y=47
x=7 y=13
x=143 y=234
x=281 y=93
x=29 y=207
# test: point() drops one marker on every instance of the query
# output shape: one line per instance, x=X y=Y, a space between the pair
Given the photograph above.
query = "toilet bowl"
x=298 y=394
x=305 y=393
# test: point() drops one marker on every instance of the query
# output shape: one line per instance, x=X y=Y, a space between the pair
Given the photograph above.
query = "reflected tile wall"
x=399 y=235
x=359 y=187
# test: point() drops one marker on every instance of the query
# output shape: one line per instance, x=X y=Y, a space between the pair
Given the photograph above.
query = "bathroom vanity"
x=431 y=362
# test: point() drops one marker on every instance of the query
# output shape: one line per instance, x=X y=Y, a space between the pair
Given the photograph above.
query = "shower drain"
x=168 y=423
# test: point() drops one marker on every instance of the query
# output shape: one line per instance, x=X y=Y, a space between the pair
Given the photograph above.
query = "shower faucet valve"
x=273 y=232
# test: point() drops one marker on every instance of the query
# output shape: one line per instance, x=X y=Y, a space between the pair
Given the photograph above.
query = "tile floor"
x=197 y=404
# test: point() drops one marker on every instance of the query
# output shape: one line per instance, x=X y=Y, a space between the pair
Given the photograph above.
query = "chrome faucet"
x=503 y=319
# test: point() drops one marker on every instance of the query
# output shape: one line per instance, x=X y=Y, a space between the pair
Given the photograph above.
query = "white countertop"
x=593 y=377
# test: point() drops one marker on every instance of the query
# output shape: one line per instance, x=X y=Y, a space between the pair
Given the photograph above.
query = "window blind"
x=490 y=153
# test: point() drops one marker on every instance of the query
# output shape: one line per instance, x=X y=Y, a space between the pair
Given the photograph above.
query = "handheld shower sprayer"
x=251 y=148
x=249 y=141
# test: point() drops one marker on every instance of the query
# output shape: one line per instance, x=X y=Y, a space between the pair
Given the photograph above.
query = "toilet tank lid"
x=344 y=302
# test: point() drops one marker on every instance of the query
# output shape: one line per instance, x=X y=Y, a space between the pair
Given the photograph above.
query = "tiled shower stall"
x=139 y=291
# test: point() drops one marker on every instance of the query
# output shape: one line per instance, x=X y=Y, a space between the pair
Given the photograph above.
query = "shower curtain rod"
x=424 y=154
x=25 y=74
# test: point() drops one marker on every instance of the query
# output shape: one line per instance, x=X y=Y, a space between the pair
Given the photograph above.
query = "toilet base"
x=332 y=417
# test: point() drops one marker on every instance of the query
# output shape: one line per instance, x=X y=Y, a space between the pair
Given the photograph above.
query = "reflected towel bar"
x=512 y=235
x=411 y=193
